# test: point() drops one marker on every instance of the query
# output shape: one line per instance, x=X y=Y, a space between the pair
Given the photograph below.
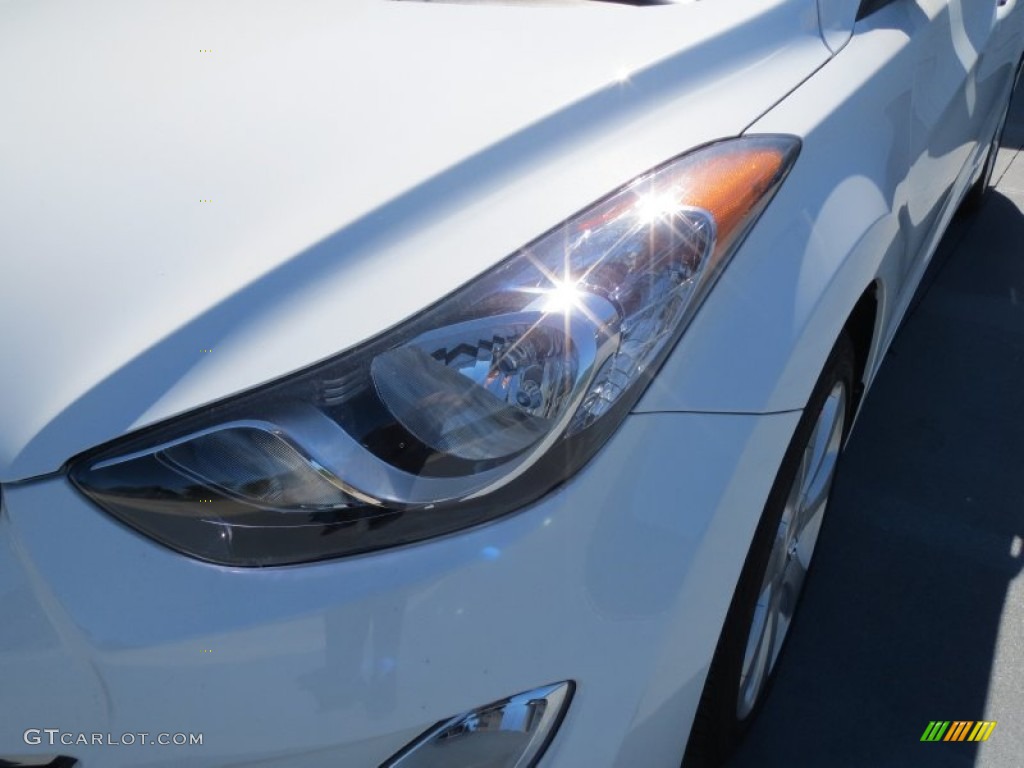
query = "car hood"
x=203 y=196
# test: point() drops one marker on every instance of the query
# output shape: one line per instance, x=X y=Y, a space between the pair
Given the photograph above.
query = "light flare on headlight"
x=465 y=412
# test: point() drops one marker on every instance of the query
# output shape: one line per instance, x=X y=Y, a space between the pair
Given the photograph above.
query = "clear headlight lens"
x=512 y=733
x=469 y=410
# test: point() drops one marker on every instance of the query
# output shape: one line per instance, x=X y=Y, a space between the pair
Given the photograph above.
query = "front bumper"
x=619 y=581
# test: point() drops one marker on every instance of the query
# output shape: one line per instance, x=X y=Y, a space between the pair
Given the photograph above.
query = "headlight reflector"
x=471 y=409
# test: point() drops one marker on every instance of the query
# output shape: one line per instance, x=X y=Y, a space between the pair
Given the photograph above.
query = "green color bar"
x=935 y=731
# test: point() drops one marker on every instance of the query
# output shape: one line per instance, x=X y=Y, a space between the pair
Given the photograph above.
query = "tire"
x=775 y=570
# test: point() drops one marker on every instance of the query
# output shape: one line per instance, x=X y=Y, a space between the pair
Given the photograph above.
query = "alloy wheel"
x=793 y=547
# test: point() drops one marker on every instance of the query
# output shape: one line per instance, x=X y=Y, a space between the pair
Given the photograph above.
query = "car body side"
x=848 y=223
x=619 y=579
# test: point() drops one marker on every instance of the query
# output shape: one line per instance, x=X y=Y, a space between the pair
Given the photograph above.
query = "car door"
x=953 y=109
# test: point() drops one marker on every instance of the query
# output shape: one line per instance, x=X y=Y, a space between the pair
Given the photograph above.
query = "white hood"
x=362 y=158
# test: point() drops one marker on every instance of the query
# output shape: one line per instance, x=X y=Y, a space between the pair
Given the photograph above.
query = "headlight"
x=473 y=408
x=512 y=733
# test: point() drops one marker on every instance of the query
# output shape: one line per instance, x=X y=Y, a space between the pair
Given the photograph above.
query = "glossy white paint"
x=364 y=158
x=850 y=214
x=837 y=18
x=345 y=661
x=362 y=161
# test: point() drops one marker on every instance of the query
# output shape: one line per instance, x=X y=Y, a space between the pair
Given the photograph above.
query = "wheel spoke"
x=824 y=447
x=756 y=656
x=791 y=552
x=779 y=624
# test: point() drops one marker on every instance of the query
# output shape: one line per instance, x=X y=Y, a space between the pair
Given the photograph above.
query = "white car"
x=446 y=384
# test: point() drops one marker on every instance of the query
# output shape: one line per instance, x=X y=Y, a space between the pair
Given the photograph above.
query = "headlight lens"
x=512 y=733
x=473 y=408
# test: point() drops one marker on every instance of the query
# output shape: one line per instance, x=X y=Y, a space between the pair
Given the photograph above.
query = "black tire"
x=718 y=727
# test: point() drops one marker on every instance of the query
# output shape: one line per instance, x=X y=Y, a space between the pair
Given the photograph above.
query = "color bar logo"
x=958 y=730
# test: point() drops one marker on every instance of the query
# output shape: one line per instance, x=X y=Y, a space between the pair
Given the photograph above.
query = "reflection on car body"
x=449 y=383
